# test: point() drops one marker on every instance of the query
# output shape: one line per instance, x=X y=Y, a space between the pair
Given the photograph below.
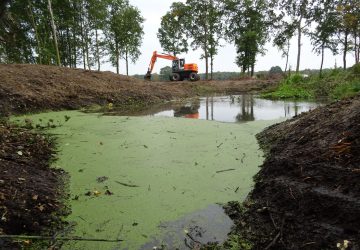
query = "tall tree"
x=248 y=29
x=53 y=26
x=326 y=26
x=349 y=22
x=171 y=33
x=296 y=13
x=204 y=27
x=132 y=34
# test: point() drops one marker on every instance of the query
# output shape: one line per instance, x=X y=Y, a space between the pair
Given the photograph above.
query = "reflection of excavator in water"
x=190 y=110
x=180 y=70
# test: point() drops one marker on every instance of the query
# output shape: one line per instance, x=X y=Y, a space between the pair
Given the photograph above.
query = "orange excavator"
x=180 y=70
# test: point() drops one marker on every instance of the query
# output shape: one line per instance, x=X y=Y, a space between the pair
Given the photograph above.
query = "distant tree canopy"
x=275 y=70
x=166 y=71
x=84 y=32
x=199 y=20
x=331 y=24
x=171 y=33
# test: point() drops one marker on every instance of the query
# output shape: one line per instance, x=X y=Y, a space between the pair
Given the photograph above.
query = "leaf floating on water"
x=225 y=170
x=96 y=193
x=126 y=185
x=102 y=179
x=67 y=118
x=108 y=192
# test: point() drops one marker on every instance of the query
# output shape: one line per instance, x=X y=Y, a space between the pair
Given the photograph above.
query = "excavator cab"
x=178 y=65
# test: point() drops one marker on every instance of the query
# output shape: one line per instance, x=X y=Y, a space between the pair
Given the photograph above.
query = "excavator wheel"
x=175 y=77
x=194 y=77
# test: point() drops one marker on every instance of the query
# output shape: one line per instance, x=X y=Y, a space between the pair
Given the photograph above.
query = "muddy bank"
x=307 y=194
x=31 y=192
x=25 y=88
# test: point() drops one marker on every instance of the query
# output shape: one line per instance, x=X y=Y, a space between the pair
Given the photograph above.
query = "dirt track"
x=25 y=88
x=307 y=194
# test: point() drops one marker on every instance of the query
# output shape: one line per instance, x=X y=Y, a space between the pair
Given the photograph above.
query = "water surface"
x=154 y=180
x=160 y=171
x=237 y=108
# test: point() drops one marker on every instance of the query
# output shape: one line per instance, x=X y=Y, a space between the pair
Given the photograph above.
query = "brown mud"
x=28 y=88
x=307 y=193
x=30 y=191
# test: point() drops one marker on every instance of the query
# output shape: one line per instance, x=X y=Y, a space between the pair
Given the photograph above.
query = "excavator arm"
x=154 y=57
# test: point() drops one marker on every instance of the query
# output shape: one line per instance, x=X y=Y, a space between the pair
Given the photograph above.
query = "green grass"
x=334 y=84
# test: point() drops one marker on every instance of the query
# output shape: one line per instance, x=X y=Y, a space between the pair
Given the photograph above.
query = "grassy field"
x=335 y=84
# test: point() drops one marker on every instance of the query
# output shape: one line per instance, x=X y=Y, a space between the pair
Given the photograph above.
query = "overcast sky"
x=153 y=10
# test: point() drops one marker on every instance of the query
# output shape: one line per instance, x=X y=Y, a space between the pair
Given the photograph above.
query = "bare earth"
x=25 y=88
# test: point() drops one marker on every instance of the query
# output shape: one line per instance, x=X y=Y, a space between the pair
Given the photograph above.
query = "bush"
x=275 y=70
x=356 y=69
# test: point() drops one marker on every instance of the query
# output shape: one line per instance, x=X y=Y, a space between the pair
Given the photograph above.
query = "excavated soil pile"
x=30 y=191
x=307 y=194
x=25 y=88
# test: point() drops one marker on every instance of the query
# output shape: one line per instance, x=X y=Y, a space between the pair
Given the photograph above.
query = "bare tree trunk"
x=97 y=49
x=211 y=66
x=87 y=49
x=252 y=69
x=127 y=62
x=322 y=59
x=117 y=54
x=54 y=33
x=356 y=45
x=3 y=4
x=82 y=36
x=287 y=55
x=345 y=48
x=299 y=46
x=206 y=55
x=36 y=32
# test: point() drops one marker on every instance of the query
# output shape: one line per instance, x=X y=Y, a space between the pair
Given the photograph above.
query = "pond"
x=154 y=180
x=238 y=108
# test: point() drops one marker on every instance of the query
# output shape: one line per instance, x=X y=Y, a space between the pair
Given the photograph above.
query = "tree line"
x=70 y=33
x=204 y=24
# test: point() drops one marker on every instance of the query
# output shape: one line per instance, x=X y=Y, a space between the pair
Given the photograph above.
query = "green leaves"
x=171 y=33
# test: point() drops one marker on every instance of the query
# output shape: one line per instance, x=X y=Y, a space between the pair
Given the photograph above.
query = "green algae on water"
x=157 y=170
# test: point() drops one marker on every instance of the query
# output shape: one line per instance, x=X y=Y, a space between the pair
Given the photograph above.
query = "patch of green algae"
x=170 y=166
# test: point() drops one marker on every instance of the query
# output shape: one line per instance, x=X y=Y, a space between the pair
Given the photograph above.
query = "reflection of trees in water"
x=247 y=108
x=211 y=100
x=288 y=109
x=188 y=109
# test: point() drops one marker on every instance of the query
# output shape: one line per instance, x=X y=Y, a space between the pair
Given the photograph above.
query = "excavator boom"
x=153 y=61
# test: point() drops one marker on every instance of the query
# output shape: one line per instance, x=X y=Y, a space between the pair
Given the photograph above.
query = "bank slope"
x=307 y=194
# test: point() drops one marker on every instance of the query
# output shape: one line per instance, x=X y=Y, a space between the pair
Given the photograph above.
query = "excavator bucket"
x=147 y=76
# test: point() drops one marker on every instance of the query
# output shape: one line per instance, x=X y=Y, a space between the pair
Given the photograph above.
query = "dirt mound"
x=307 y=193
x=25 y=88
x=30 y=191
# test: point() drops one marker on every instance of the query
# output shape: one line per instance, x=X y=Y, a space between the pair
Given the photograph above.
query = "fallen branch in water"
x=126 y=185
x=35 y=237
x=225 y=170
